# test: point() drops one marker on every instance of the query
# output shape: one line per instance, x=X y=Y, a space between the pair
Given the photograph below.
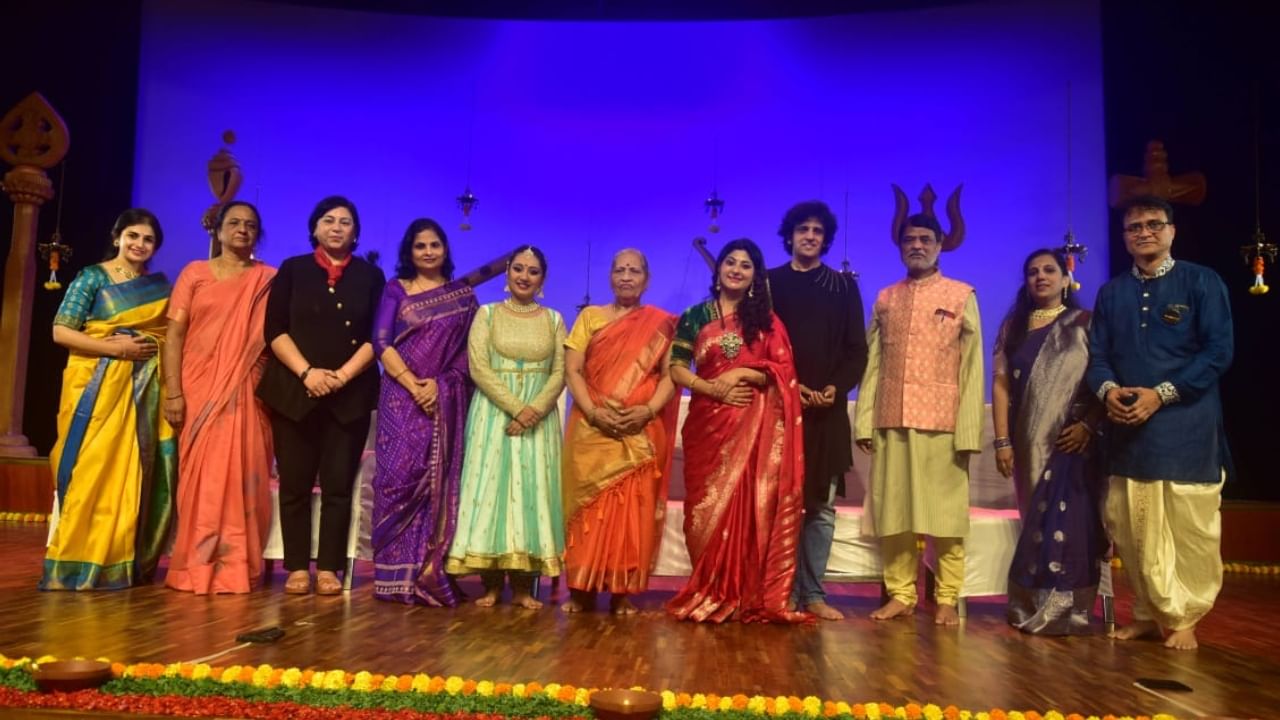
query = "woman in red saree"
x=743 y=451
x=616 y=461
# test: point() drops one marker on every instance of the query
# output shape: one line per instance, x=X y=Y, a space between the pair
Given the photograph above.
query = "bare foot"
x=526 y=601
x=946 y=615
x=1137 y=630
x=824 y=611
x=621 y=605
x=579 y=601
x=895 y=608
x=1184 y=639
x=488 y=599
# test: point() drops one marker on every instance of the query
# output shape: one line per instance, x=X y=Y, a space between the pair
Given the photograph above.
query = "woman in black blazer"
x=321 y=384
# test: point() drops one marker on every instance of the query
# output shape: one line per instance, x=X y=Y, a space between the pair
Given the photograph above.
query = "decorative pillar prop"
x=32 y=139
x=224 y=182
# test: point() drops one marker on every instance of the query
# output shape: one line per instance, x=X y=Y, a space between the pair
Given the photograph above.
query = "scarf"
x=333 y=269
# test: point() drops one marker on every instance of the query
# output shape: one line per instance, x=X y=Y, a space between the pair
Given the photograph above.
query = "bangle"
x=1001 y=443
x=693 y=385
x=174 y=397
x=652 y=413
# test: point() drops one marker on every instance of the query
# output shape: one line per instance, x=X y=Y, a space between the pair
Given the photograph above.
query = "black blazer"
x=328 y=325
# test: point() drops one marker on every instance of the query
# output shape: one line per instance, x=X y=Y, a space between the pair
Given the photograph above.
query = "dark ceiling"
x=626 y=9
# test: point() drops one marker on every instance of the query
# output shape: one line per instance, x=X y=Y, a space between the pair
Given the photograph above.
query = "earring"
x=115 y=243
x=751 y=291
x=717 y=284
x=506 y=287
x=540 y=293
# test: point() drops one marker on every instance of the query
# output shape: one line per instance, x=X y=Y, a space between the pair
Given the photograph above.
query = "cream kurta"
x=920 y=479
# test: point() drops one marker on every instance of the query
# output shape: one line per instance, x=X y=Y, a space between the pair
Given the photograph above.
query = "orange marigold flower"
x=829 y=709
x=913 y=711
x=769 y=706
x=859 y=710
x=502 y=689
x=246 y=674
x=186 y=669
x=1075 y=716
x=739 y=702
x=567 y=693
x=273 y=680
x=117 y=669
x=437 y=684
x=404 y=683
x=998 y=714
x=951 y=712
x=713 y=701
x=376 y=679
x=1032 y=715
x=1108 y=717
x=533 y=688
x=348 y=678
x=684 y=699
x=305 y=679
x=469 y=687
x=794 y=703
x=886 y=709
x=215 y=672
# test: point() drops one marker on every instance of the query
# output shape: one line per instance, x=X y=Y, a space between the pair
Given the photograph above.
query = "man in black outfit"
x=822 y=311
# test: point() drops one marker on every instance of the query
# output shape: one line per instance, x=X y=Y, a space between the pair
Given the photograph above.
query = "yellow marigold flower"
x=1163 y=716
x=726 y=703
x=843 y=708
x=873 y=711
x=484 y=688
x=317 y=679
x=363 y=681
x=201 y=671
x=291 y=677
x=230 y=674
x=421 y=682
x=982 y=716
x=453 y=684
x=966 y=715
x=668 y=700
x=1016 y=715
x=1053 y=715
x=334 y=680
x=517 y=690
x=699 y=701
x=171 y=670
x=582 y=697
x=933 y=712
x=262 y=675
x=551 y=690
x=784 y=704
x=45 y=659
x=756 y=705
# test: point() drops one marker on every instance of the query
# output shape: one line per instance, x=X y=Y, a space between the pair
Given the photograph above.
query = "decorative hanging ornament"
x=715 y=207
x=1073 y=252
x=1256 y=255
x=466 y=202
x=55 y=252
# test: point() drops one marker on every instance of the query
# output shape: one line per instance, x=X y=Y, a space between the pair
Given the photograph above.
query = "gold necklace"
x=522 y=308
x=124 y=272
x=1048 y=313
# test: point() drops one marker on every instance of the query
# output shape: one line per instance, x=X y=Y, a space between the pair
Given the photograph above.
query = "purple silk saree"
x=419 y=455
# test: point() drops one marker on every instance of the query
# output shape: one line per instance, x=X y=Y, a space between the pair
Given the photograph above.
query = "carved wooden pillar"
x=32 y=139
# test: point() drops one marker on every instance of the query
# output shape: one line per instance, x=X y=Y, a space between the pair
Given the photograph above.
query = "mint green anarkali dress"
x=509 y=513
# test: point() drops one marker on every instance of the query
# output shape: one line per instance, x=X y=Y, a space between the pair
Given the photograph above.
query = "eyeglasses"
x=1154 y=226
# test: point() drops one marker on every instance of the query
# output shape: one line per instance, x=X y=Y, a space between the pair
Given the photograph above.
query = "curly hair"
x=755 y=310
x=803 y=211
x=1013 y=329
x=405 y=269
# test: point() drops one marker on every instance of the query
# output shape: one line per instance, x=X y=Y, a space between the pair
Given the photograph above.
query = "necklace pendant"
x=731 y=344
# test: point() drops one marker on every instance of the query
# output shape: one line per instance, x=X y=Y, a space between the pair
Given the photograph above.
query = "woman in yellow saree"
x=114 y=463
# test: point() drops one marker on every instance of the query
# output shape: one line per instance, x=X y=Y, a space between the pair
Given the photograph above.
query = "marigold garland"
x=24 y=517
x=251 y=691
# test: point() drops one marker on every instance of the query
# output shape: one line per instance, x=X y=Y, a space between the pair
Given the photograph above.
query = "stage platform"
x=981 y=665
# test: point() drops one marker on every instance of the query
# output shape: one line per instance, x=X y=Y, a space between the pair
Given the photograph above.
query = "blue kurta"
x=1174 y=328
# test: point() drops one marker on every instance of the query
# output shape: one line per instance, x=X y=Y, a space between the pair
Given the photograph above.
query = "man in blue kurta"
x=1160 y=340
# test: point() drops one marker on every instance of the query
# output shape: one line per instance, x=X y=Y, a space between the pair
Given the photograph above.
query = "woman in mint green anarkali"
x=509 y=512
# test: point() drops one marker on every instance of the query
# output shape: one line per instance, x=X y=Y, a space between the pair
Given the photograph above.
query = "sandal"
x=327 y=583
x=299 y=583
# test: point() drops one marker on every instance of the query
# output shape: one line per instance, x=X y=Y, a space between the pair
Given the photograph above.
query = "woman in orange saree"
x=743 y=450
x=616 y=461
x=213 y=361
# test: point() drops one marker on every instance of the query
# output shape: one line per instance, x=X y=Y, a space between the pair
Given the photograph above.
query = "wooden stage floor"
x=981 y=665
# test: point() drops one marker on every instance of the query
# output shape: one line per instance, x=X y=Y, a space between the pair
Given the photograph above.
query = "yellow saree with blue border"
x=115 y=461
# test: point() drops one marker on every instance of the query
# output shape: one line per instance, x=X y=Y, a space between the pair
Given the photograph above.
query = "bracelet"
x=174 y=397
x=652 y=413
x=1001 y=443
x=694 y=385
x=303 y=375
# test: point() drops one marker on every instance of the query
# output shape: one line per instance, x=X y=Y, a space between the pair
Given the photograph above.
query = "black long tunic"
x=822 y=311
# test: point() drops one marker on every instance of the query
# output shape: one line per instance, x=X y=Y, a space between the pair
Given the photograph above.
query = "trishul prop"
x=1184 y=189
x=951 y=238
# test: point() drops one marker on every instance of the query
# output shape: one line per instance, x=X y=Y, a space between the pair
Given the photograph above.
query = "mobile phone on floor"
x=265 y=635
x=1162 y=684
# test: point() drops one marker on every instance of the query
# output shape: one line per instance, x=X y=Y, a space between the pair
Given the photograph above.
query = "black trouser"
x=321 y=446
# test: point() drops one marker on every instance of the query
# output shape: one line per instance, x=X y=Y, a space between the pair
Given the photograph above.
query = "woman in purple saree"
x=1044 y=420
x=420 y=335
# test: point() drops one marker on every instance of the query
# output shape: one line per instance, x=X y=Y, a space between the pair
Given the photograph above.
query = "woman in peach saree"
x=213 y=361
x=619 y=441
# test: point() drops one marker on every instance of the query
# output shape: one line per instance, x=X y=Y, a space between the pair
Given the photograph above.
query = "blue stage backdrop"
x=603 y=135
